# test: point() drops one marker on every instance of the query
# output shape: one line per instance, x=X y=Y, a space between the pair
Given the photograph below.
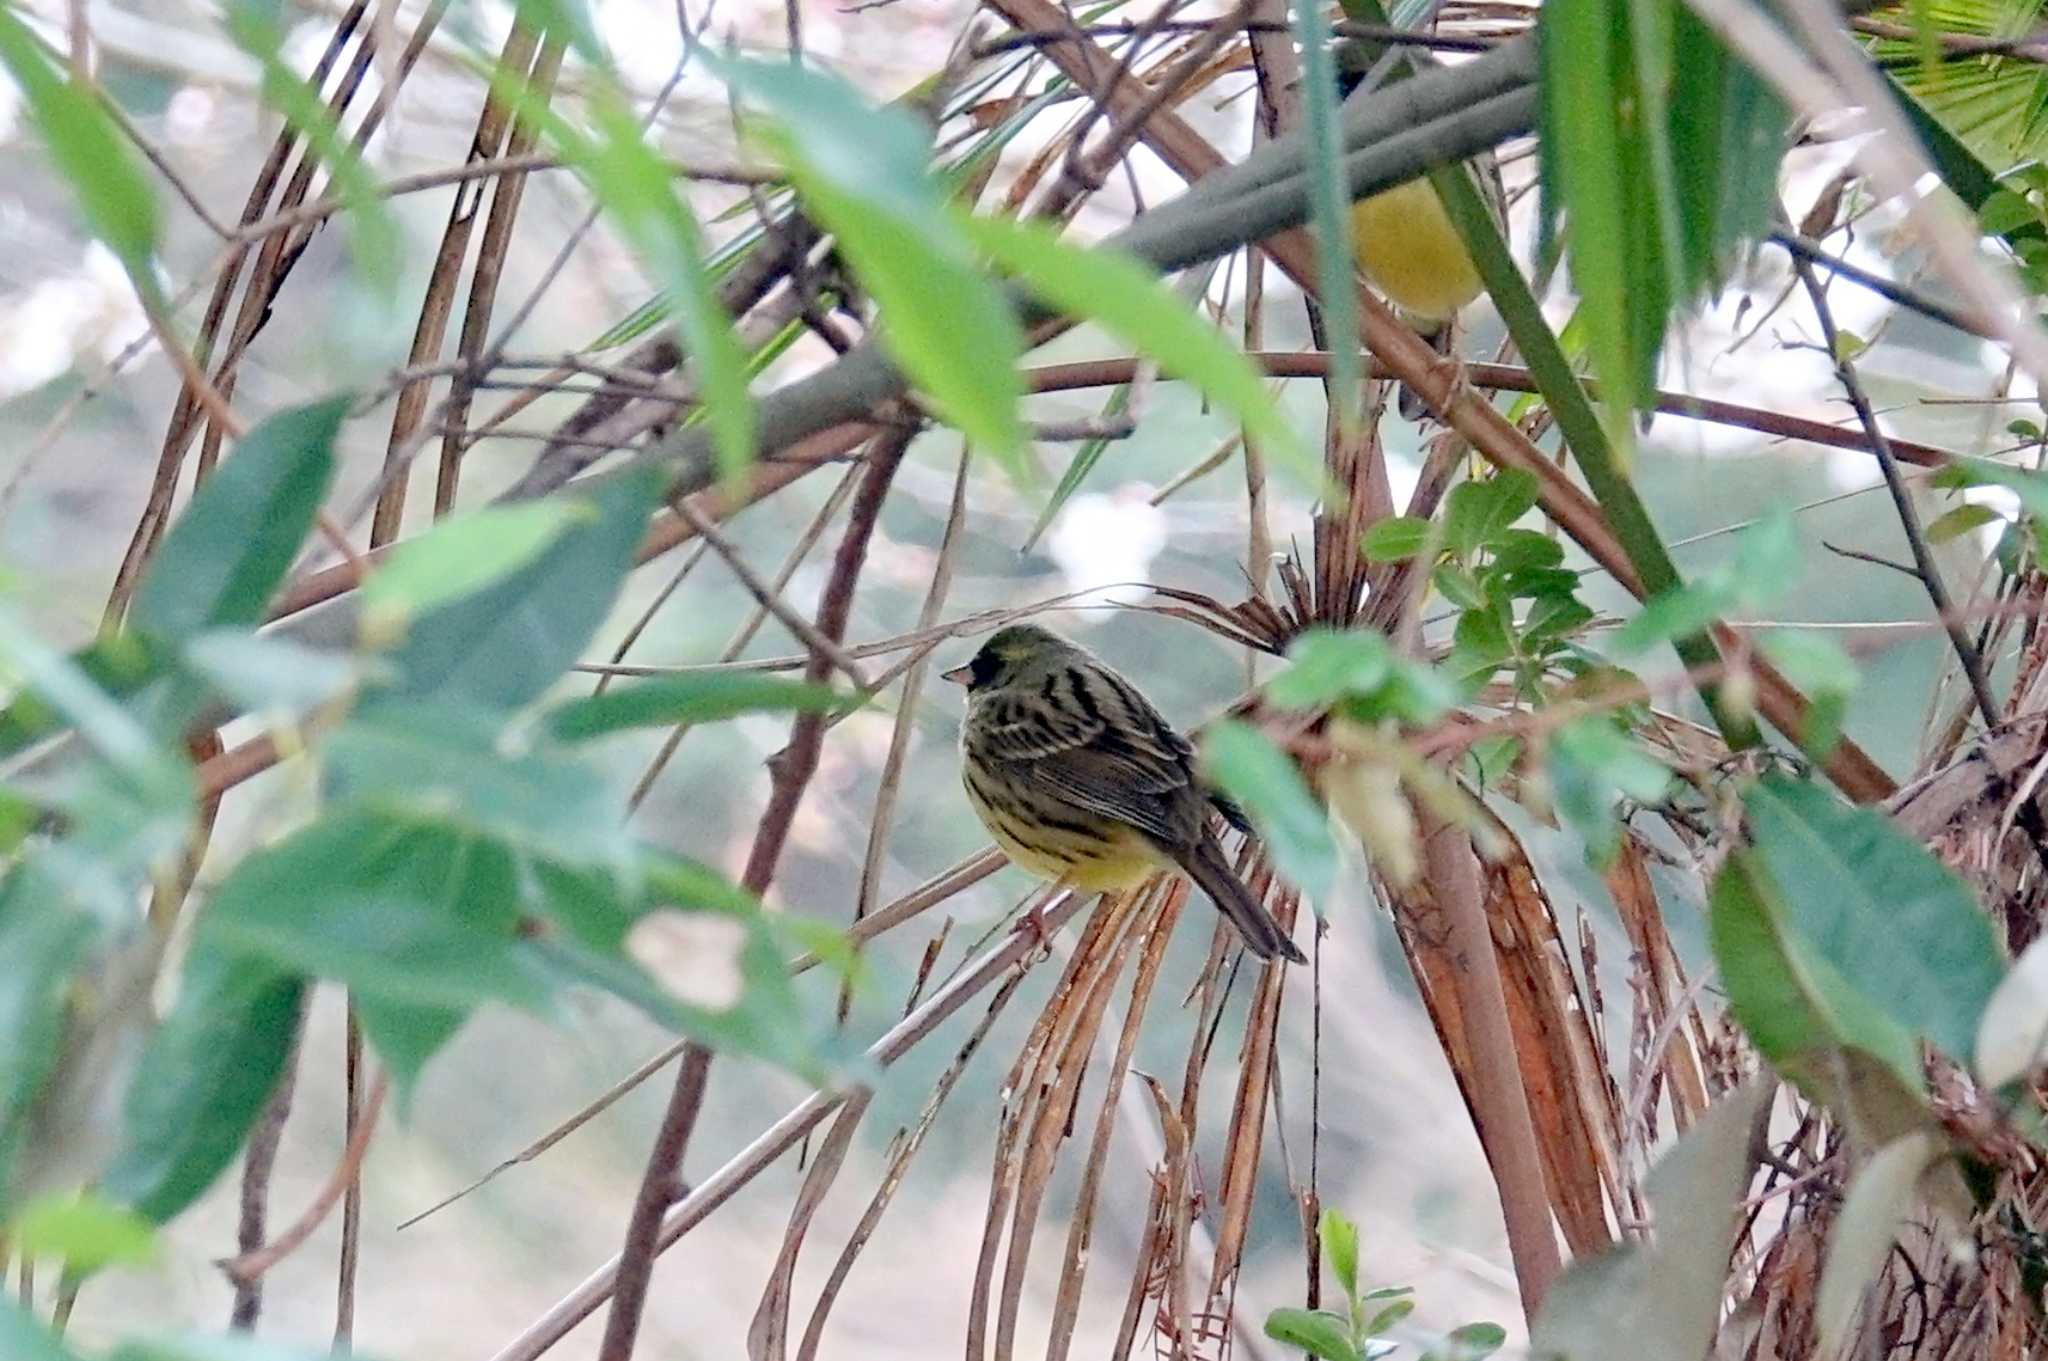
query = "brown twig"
x=251 y=1266
x=659 y=1189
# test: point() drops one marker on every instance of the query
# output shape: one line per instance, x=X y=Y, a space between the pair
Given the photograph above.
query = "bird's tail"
x=1261 y=934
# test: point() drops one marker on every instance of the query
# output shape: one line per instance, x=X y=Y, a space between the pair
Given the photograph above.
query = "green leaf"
x=633 y=183
x=1339 y=1238
x=863 y=175
x=225 y=555
x=1592 y=764
x=503 y=646
x=1473 y=1342
x=461 y=556
x=1325 y=665
x=204 y=1077
x=1243 y=763
x=153 y=777
x=701 y=698
x=84 y=1231
x=1318 y=1332
x=1863 y=1233
x=88 y=152
x=1478 y=512
x=1661 y=1298
x=1796 y=1009
x=446 y=764
x=1818 y=666
x=1388 y=1318
x=1875 y=906
x=1765 y=566
x=1124 y=297
x=266 y=671
x=2031 y=487
x=120 y=664
x=230 y=1348
x=396 y=907
x=1396 y=538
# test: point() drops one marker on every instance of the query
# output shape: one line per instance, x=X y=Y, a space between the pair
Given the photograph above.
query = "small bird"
x=1079 y=779
x=1407 y=245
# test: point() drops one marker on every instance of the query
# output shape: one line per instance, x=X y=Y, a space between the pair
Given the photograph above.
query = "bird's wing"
x=1087 y=737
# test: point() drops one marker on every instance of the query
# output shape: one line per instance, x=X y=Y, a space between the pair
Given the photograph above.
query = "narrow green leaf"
x=237 y=538
x=1592 y=764
x=88 y=152
x=864 y=175
x=1123 y=296
x=1243 y=763
x=632 y=182
x=703 y=698
x=204 y=1077
x=269 y=672
x=43 y=944
x=1584 y=51
x=1340 y=1249
x=120 y=664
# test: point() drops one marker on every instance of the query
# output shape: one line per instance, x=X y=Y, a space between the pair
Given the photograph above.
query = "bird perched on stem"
x=1080 y=780
x=1404 y=242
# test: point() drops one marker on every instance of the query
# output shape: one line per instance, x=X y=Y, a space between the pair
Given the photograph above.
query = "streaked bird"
x=1079 y=779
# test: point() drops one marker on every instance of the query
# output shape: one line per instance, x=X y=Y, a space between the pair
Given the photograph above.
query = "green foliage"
x=502 y=646
x=85 y=1232
x=1329 y=204
x=1243 y=762
x=1370 y=1324
x=1519 y=606
x=1873 y=906
x=1660 y=150
x=863 y=174
x=1765 y=565
x=1123 y=296
x=223 y=559
x=1592 y=764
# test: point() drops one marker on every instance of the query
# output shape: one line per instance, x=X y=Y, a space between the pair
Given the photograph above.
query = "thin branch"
x=659 y=1189
x=1924 y=565
x=251 y=1266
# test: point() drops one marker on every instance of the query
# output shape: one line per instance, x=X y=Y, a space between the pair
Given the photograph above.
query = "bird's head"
x=1020 y=652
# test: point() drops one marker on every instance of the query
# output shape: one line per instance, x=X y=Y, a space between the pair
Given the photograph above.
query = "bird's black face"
x=1003 y=656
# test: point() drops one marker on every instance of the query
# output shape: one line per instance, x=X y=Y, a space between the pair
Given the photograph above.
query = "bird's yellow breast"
x=1408 y=248
x=1107 y=857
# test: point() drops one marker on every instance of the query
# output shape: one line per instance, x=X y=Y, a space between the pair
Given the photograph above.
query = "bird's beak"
x=959 y=675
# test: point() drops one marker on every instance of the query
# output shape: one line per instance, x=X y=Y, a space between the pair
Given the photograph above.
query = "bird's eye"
x=986 y=666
